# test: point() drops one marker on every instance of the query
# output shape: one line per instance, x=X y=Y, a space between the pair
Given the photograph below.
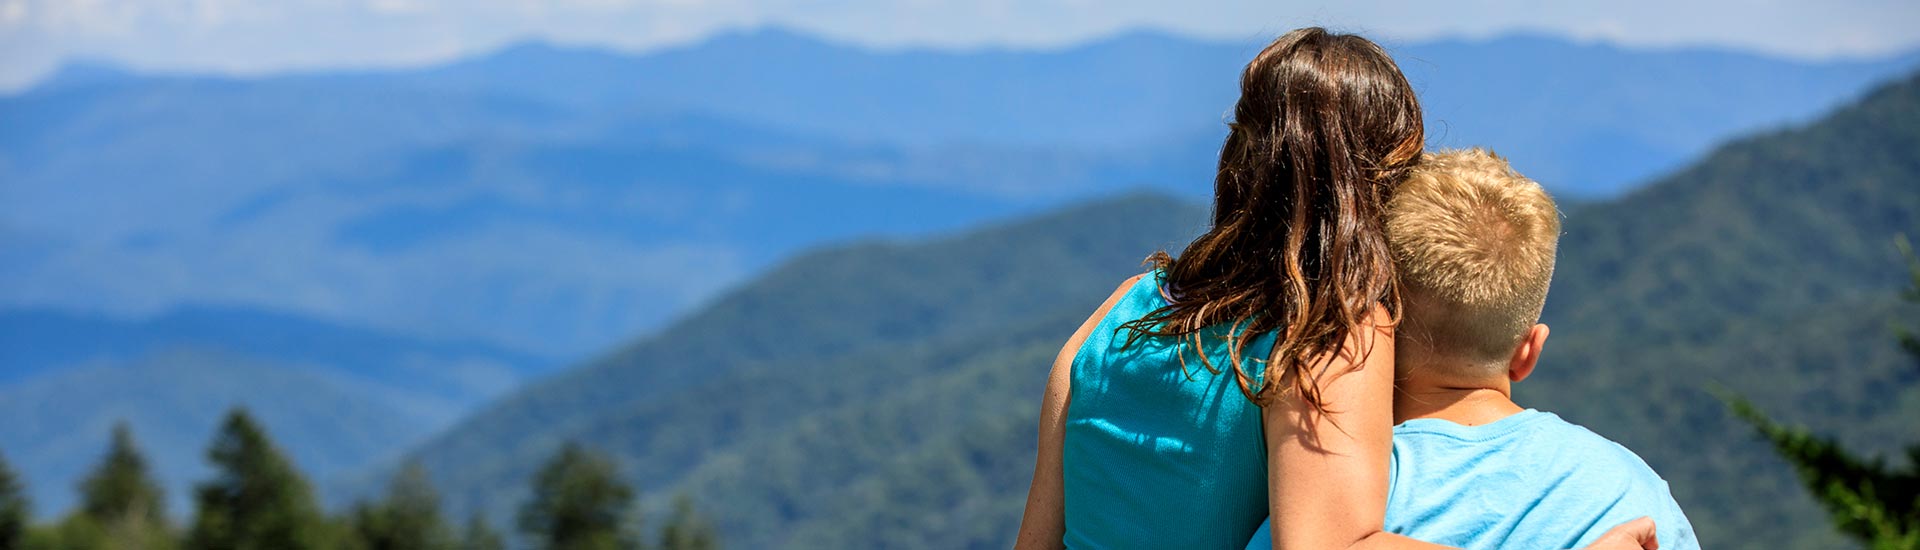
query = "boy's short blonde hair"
x=1474 y=243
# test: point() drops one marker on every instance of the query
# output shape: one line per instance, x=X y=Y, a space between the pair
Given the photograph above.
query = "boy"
x=1474 y=243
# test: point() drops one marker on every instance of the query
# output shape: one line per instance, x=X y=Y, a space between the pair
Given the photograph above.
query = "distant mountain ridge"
x=33 y=341
x=829 y=416
x=1141 y=88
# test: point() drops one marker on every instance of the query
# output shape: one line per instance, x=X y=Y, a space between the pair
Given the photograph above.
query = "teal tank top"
x=1155 y=457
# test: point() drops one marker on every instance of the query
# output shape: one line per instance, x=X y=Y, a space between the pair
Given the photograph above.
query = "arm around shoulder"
x=1328 y=466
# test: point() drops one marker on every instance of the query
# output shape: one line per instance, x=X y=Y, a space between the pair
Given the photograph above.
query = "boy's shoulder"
x=1567 y=438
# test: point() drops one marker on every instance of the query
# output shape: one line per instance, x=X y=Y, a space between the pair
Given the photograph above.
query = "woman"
x=1252 y=374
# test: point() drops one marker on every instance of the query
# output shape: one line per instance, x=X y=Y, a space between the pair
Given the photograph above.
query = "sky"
x=268 y=36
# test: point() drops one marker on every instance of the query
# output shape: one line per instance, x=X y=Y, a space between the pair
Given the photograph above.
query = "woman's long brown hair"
x=1326 y=126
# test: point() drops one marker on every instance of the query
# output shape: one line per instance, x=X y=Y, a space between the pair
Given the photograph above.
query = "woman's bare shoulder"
x=1122 y=290
x=1100 y=313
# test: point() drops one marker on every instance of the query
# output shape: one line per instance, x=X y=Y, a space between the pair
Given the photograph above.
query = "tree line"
x=258 y=500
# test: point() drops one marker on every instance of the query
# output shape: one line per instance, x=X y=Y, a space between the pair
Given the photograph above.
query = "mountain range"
x=884 y=394
x=558 y=200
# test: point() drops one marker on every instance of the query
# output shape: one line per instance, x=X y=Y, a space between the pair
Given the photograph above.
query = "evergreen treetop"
x=257 y=500
x=15 y=510
x=409 y=517
x=481 y=536
x=580 y=502
x=686 y=529
x=122 y=487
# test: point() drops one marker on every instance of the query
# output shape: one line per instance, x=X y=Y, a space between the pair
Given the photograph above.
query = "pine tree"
x=257 y=500
x=1866 y=498
x=481 y=536
x=121 y=506
x=579 y=502
x=121 y=489
x=15 y=510
x=685 y=529
x=409 y=518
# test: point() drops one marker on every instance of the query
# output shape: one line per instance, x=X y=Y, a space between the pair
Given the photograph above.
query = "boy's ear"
x=1527 y=354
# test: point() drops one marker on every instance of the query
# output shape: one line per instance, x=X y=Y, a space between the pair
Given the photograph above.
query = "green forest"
x=258 y=500
x=883 y=394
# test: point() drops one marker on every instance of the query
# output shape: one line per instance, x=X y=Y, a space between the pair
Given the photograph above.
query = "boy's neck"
x=1467 y=403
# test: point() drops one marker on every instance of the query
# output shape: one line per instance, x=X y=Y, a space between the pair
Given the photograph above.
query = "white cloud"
x=251 y=36
x=13 y=12
x=399 y=7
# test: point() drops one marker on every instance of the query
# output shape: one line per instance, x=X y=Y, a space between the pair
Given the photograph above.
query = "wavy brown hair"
x=1326 y=126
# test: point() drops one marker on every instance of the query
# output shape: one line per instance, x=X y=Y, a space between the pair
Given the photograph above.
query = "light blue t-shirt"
x=1528 y=481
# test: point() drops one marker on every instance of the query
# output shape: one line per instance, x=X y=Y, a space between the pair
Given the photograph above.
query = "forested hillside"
x=883 y=395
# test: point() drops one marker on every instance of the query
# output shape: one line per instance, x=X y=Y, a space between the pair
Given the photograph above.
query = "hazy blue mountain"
x=884 y=395
x=559 y=199
x=340 y=398
x=1133 y=89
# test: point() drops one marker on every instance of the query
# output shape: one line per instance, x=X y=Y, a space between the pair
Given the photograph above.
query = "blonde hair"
x=1474 y=243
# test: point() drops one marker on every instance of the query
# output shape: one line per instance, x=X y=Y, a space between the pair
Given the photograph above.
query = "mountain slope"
x=1766 y=268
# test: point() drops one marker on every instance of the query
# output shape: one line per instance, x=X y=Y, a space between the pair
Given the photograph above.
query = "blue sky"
x=262 y=36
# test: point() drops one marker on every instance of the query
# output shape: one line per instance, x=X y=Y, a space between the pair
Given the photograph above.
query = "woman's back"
x=1136 y=451
x=1155 y=457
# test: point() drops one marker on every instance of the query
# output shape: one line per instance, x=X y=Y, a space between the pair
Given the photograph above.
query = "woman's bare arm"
x=1327 y=469
x=1044 y=523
